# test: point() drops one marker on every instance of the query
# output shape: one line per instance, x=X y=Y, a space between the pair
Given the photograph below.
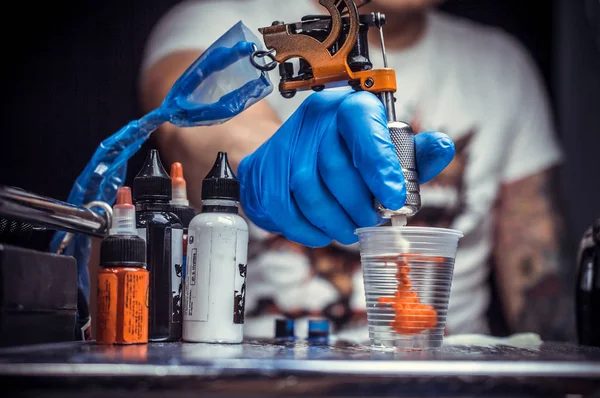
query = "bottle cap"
x=318 y=329
x=221 y=182
x=123 y=251
x=179 y=186
x=152 y=182
x=123 y=222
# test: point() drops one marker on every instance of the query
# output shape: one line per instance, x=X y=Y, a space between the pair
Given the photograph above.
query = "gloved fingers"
x=297 y=228
x=315 y=117
x=251 y=191
x=271 y=207
x=320 y=207
x=344 y=181
x=434 y=152
x=362 y=123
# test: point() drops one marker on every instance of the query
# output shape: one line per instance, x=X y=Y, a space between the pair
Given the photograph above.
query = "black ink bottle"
x=163 y=233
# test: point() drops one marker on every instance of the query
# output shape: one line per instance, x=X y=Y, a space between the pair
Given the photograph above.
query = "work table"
x=271 y=368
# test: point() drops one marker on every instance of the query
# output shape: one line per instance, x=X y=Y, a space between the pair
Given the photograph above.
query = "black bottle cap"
x=123 y=250
x=152 y=182
x=221 y=182
x=185 y=214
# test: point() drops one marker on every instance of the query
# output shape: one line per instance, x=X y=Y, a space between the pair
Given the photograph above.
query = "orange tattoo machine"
x=333 y=50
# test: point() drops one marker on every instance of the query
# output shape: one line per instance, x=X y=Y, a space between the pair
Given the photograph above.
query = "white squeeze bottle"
x=215 y=282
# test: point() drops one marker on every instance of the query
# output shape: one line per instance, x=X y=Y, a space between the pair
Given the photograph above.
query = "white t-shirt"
x=472 y=82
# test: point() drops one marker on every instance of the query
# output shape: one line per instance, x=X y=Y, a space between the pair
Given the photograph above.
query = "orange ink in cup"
x=412 y=316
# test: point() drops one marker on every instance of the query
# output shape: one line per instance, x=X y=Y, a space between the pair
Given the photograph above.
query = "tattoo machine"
x=333 y=49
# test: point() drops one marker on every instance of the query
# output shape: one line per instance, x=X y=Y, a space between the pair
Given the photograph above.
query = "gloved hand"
x=314 y=180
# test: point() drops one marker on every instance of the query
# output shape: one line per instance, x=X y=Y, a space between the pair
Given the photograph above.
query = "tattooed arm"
x=535 y=272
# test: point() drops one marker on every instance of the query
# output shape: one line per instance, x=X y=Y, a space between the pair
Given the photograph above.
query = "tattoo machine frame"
x=332 y=51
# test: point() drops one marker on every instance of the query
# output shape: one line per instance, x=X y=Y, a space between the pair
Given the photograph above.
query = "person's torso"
x=446 y=83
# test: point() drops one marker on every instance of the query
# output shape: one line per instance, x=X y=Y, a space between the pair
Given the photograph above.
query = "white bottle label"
x=215 y=285
x=177 y=271
x=141 y=232
x=191 y=278
x=198 y=275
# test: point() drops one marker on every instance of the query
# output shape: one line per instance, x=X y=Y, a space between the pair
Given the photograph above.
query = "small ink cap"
x=152 y=182
x=221 y=183
x=318 y=328
x=179 y=186
x=123 y=222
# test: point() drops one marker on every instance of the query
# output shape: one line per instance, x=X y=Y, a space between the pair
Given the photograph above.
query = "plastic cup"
x=407 y=275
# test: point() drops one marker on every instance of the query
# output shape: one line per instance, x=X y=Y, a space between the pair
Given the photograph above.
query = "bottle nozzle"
x=123 y=214
x=152 y=182
x=179 y=186
x=124 y=197
x=221 y=182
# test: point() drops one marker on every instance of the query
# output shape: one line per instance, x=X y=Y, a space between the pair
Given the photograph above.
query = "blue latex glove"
x=315 y=179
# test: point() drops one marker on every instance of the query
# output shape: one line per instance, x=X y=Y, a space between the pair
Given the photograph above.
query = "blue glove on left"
x=314 y=180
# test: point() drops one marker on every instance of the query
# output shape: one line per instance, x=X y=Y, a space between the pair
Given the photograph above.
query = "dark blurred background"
x=71 y=72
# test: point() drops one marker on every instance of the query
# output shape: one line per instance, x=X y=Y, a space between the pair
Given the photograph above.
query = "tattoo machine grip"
x=403 y=138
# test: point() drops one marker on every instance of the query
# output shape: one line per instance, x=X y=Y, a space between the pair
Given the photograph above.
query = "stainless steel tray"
x=269 y=368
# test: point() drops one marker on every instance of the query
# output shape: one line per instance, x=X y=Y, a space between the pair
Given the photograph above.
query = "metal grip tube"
x=403 y=138
x=51 y=213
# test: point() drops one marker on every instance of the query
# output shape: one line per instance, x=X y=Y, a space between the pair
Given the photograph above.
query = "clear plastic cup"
x=407 y=275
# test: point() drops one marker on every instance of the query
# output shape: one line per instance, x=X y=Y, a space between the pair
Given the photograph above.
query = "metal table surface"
x=269 y=368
